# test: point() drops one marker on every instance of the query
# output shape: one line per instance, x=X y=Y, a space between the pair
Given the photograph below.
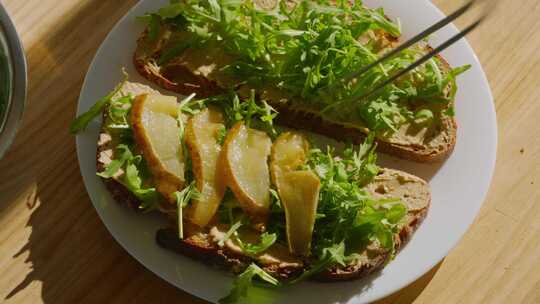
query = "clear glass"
x=6 y=76
x=13 y=81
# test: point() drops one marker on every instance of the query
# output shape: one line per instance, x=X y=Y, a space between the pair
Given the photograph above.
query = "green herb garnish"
x=244 y=282
x=267 y=240
x=346 y=212
x=232 y=230
x=307 y=50
x=81 y=122
x=221 y=134
x=123 y=154
x=182 y=200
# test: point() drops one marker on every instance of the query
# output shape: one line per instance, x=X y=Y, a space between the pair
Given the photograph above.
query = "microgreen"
x=244 y=283
x=182 y=200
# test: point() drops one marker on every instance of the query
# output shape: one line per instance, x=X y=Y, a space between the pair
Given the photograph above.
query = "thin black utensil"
x=421 y=36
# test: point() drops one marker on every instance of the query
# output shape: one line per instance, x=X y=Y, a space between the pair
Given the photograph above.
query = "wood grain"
x=56 y=250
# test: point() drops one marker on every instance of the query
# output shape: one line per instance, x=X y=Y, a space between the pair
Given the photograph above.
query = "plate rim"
x=428 y=266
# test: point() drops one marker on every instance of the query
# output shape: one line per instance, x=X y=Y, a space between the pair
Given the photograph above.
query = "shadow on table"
x=413 y=290
x=71 y=256
x=69 y=250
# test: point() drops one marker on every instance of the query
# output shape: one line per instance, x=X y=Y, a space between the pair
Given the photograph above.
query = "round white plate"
x=459 y=185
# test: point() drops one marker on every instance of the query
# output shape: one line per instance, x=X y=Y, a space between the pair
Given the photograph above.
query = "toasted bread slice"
x=199 y=72
x=202 y=244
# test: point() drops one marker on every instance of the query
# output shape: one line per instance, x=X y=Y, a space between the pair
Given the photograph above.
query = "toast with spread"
x=245 y=197
x=297 y=56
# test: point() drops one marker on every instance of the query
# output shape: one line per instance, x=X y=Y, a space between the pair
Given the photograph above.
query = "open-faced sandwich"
x=239 y=194
x=298 y=56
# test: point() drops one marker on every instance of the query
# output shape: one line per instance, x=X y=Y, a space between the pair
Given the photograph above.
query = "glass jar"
x=13 y=81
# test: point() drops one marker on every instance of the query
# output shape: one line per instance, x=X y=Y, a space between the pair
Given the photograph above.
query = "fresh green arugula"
x=130 y=170
x=232 y=230
x=135 y=173
x=308 y=49
x=236 y=222
x=82 y=121
x=244 y=283
x=267 y=240
x=348 y=217
x=118 y=112
x=221 y=134
x=256 y=114
x=123 y=154
x=330 y=256
x=182 y=200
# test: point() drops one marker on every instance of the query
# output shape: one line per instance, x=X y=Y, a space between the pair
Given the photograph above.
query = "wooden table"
x=55 y=249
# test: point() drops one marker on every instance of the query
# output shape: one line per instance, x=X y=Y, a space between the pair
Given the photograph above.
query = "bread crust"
x=186 y=83
x=309 y=121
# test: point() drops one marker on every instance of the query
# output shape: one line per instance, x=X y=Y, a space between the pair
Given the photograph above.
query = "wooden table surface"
x=55 y=249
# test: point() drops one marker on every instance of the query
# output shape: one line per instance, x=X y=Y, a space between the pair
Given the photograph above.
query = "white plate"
x=459 y=185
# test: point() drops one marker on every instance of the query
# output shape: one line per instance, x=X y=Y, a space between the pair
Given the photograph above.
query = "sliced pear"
x=289 y=152
x=201 y=139
x=156 y=133
x=299 y=193
x=162 y=104
x=298 y=190
x=244 y=157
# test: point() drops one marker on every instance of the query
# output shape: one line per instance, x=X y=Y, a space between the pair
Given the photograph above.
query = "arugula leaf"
x=275 y=203
x=333 y=255
x=220 y=135
x=118 y=111
x=396 y=213
x=451 y=79
x=423 y=117
x=249 y=109
x=267 y=240
x=382 y=223
x=255 y=114
x=244 y=282
x=230 y=233
x=346 y=213
x=133 y=181
x=173 y=52
x=116 y=164
x=308 y=49
x=182 y=200
x=154 y=27
x=450 y=111
x=81 y=122
x=191 y=106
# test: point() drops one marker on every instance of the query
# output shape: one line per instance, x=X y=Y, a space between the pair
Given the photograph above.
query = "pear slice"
x=162 y=104
x=244 y=158
x=201 y=139
x=299 y=193
x=298 y=190
x=289 y=152
x=156 y=134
